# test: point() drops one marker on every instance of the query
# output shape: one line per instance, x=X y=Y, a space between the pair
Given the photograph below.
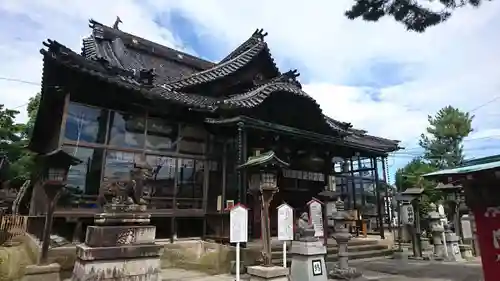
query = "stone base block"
x=139 y=269
x=400 y=255
x=466 y=251
x=106 y=236
x=308 y=248
x=49 y=272
x=261 y=273
x=308 y=268
x=349 y=273
x=233 y=267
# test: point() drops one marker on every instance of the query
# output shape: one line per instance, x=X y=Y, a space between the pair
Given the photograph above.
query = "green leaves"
x=414 y=15
x=445 y=134
x=13 y=139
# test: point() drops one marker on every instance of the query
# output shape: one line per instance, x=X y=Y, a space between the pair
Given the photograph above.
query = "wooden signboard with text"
x=316 y=216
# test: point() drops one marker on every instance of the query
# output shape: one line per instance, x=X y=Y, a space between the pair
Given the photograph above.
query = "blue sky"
x=375 y=75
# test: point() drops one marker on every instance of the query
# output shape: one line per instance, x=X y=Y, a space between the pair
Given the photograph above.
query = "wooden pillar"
x=240 y=160
x=353 y=183
x=361 y=184
x=379 y=206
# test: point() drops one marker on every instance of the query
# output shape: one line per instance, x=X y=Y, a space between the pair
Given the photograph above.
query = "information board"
x=316 y=215
x=285 y=222
x=238 y=218
x=467 y=229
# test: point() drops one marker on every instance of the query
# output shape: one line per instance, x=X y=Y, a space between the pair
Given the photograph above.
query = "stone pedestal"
x=120 y=247
x=49 y=272
x=466 y=251
x=308 y=260
x=452 y=242
x=261 y=273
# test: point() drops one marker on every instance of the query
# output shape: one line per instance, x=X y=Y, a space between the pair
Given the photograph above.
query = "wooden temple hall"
x=124 y=98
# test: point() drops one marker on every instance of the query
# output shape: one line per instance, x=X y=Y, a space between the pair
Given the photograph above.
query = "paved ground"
x=374 y=270
x=413 y=270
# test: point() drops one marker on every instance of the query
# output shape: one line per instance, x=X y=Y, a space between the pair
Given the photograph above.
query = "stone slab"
x=260 y=273
x=49 y=272
x=144 y=269
x=305 y=268
x=87 y=253
x=121 y=218
x=308 y=248
x=107 y=236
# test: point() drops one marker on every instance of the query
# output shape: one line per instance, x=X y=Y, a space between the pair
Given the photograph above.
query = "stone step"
x=334 y=250
x=332 y=257
x=276 y=246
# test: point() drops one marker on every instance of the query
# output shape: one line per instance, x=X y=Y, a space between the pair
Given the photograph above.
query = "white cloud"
x=455 y=63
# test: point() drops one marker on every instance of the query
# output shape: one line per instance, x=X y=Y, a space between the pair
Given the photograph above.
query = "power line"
x=465 y=140
x=20 y=81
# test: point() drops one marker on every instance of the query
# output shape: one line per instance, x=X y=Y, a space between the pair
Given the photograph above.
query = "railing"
x=12 y=226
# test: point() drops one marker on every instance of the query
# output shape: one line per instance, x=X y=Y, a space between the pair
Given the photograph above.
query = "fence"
x=12 y=226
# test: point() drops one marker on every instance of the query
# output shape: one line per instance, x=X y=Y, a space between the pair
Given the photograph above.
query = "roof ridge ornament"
x=289 y=77
x=117 y=22
x=259 y=33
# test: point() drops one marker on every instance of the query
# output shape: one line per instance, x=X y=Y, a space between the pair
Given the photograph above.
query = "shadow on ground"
x=470 y=271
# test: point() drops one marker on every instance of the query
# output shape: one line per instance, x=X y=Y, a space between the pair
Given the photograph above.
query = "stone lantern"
x=342 y=236
x=452 y=195
x=263 y=170
x=55 y=167
x=437 y=230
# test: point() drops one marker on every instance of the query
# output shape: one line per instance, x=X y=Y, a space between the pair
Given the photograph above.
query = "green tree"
x=414 y=15
x=13 y=140
x=33 y=104
x=411 y=176
x=445 y=134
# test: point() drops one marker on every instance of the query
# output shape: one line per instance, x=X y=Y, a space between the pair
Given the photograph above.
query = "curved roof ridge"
x=101 y=31
x=257 y=36
x=219 y=70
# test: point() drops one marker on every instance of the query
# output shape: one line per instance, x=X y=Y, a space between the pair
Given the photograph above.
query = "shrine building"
x=194 y=121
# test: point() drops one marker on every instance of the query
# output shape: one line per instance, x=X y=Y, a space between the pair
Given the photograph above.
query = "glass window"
x=126 y=130
x=215 y=187
x=85 y=177
x=191 y=147
x=163 y=181
x=193 y=132
x=85 y=124
x=161 y=135
x=118 y=165
x=190 y=174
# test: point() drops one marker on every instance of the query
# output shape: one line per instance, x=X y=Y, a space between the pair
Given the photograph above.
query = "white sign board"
x=238 y=218
x=285 y=223
x=316 y=214
x=407 y=214
x=467 y=229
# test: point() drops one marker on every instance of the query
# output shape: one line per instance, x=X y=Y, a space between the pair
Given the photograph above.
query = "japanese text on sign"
x=316 y=213
x=238 y=219
x=285 y=223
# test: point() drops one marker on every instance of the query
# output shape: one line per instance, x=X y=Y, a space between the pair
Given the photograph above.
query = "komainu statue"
x=304 y=228
x=127 y=192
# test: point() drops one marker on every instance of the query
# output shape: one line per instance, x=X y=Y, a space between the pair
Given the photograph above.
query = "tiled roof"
x=127 y=61
x=127 y=51
x=220 y=70
x=124 y=79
